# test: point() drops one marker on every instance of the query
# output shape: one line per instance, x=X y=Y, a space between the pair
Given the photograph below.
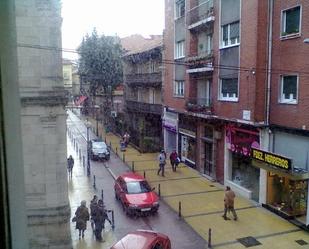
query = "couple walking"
x=174 y=159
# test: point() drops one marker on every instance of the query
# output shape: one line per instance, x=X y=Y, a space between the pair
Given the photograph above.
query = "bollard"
x=159 y=190
x=209 y=238
x=110 y=144
x=179 y=209
x=84 y=161
x=102 y=194
x=116 y=151
x=132 y=167
x=105 y=139
x=113 y=220
x=76 y=147
x=80 y=154
x=144 y=174
x=123 y=157
x=94 y=181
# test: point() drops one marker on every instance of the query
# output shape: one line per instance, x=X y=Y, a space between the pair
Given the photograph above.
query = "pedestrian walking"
x=229 y=203
x=81 y=218
x=70 y=162
x=162 y=162
x=99 y=220
x=93 y=206
x=174 y=160
x=126 y=138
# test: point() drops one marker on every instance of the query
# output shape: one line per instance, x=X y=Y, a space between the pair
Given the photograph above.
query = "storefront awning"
x=293 y=175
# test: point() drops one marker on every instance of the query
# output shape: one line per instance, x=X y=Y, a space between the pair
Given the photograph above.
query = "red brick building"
x=236 y=77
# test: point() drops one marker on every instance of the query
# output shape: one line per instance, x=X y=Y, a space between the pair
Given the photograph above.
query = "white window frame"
x=178 y=85
x=233 y=97
x=209 y=44
x=229 y=41
x=283 y=22
x=282 y=98
x=178 y=8
x=180 y=49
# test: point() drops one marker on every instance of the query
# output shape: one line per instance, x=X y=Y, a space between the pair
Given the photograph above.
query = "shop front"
x=239 y=172
x=287 y=186
x=169 y=123
x=188 y=146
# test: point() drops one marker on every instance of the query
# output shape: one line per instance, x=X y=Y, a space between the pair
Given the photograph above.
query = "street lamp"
x=88 y=125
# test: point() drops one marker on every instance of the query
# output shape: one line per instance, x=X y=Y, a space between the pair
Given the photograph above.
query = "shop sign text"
x=272 y=159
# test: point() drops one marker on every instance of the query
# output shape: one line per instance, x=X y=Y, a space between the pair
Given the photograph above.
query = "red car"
x=143 y=239
x=135 y=194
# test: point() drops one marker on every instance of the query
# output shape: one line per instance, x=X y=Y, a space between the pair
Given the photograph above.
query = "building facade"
x=231 y=78
x=38 y=166
x=143 y=83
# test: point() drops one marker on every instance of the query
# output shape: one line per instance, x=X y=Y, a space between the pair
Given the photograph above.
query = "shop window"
x=288 y=91
x=245 y=175
x=229 y=89
x=188 y=148
x=290 y=21
x=286 y=195
x=230 y=34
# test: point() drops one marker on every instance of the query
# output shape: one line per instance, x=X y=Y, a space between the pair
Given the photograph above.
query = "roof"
x=130 y=176
x=135 y=44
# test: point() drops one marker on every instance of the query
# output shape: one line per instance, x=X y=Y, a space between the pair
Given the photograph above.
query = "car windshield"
x=99 y=145
x=138 y=187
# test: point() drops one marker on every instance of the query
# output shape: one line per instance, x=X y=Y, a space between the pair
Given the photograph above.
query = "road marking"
x=174 y=179
x=257 y=237
x=218 y=212
x=192 y=193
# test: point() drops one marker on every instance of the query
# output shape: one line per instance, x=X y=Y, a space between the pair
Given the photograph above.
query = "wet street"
x=81 y=188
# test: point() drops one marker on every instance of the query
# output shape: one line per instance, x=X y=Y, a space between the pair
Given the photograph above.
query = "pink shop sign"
x=241 y=141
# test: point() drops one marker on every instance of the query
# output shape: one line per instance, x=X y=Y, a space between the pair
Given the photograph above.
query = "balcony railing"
x=200 y=62
x=201 y=105
x=136 y=106
x=201 y=14
x=146 y=79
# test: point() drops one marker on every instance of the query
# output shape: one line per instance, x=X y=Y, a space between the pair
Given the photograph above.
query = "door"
x=203 y=92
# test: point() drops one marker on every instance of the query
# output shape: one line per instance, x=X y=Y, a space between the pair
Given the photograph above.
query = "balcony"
x=200 y=105
x=146 y=79
x=201 y=15
x=202 y=62
x=135 y=106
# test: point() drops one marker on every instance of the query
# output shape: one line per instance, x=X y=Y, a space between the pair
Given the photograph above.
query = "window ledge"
x=229 y=46
x=179 y=96
x=179 y=58
x=228 y=100
x=289 y=36
x=288 y=102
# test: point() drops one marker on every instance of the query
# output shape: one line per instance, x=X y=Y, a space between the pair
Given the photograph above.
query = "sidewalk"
x=202 y=205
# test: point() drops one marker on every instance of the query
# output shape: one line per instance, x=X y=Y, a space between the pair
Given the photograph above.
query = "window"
x=288 y=93
x=180 y=8
x=290 y=21
x=180 y=49
x=230 y=34
x=209 y=44
x=229 y=89
x=179 y=88
x=152 y=67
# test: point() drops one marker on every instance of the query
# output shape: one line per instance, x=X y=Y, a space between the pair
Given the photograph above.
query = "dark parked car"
x=143 y=239
x=98 y=150
x=135 y=194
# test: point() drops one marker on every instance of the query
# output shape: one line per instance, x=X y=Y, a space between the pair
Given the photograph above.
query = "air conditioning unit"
x=114 y=114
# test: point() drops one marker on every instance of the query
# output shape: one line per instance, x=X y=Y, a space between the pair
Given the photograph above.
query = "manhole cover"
x=301 y=242
x=249 y=241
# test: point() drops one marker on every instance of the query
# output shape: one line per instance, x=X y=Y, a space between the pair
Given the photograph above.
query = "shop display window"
x=286 y=195
x=245 y=175
x=188 y=148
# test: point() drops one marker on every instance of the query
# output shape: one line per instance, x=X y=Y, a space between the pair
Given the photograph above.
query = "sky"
x=110 y=17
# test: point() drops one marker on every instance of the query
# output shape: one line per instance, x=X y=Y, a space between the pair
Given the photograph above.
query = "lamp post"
x=88 y=148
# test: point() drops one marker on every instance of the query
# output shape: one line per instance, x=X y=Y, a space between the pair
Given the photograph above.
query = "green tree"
x=100 y=65
x=100 y=61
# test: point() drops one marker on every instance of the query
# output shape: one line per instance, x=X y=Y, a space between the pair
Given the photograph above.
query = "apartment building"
x=143 y=83
x=235 y=92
